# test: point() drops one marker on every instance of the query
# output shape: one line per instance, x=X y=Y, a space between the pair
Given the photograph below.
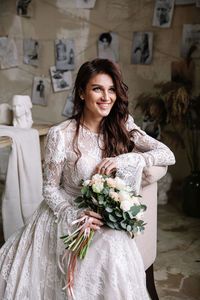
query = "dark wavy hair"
x=115 y=135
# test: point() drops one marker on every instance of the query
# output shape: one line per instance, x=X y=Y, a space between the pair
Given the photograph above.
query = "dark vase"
x=191 y=195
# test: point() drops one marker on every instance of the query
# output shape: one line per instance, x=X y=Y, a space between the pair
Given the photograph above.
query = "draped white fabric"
x=113 y=268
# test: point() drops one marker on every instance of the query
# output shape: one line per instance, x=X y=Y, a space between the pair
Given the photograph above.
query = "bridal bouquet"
x=118 y=206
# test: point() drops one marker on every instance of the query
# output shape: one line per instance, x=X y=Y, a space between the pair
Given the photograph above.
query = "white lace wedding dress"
x=113 y=268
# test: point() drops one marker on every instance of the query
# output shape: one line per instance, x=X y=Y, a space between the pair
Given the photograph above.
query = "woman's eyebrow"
x=97 y=84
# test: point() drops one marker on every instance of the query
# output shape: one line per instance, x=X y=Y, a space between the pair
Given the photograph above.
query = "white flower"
x=120 y=184
x=125 y=205
x=97 y=177
x=86 y=182
x=97 y=187
x=124 y=196
x=135 y=200
x=139 y=215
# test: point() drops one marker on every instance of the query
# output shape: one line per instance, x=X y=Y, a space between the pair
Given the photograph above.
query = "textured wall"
x=57 y=19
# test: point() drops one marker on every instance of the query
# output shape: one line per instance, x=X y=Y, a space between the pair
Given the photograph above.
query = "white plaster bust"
x=21 y=106
x=5 y=114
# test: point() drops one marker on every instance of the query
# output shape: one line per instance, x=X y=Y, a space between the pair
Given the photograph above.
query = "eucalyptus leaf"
x=135 y=210
x=109 y=209
x=83 y=205
x=123 y=225
x=110 y=224
x=112 y=218
x=118 y=214
x=128 y=228
x=78 y=200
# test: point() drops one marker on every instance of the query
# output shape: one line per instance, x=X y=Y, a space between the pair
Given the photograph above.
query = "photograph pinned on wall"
x=40 y=92
x=8 y=53
x=24 y=8
x=163 y=13
x=64 y=51
x=69 y=106
x=142 y=48
x=108 y=46
x=31 y=52
x=184 y=2
x=61 y=80
x=190 y=38
x=85 y=3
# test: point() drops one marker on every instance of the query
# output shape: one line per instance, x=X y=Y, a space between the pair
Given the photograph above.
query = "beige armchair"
x=147 y=242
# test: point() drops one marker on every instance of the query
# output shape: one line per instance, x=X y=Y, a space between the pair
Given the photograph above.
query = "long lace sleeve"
x=55 y=150
x=148 y=152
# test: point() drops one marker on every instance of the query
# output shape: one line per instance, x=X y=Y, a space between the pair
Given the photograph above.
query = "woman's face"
x=99 y=96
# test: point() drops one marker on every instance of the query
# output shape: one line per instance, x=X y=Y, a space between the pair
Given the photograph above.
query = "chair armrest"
x=153 y=174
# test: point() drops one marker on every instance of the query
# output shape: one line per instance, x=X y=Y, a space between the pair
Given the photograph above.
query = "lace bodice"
x=61 y=178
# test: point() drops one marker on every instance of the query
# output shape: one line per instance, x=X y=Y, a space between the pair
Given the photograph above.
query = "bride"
x=101 y=138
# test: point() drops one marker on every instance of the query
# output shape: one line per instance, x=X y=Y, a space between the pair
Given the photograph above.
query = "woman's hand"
x=107 y=166
x=95 y=219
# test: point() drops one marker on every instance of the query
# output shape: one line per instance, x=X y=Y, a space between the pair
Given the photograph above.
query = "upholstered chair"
x=147 y=242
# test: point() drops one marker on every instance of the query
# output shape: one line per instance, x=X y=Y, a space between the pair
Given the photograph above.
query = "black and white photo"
x=85 y=3
x=24 y=8
x=142 y=48
x=65 y=56
x=108 y=46
x=8 y=53
x=190 y=38
x=163 y=13
x=61 y=80
x=69 y=106
x=41 y=87
x=184 y=2
x=31 y=52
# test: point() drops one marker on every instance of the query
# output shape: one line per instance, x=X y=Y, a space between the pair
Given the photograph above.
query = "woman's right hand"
x=95 y=219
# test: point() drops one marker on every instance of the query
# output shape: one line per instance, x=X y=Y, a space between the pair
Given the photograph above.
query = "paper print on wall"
x=24 y=8
x=41 y=87
x=163 y=12
x=69 y=106
x=64 y=51
x=85 y=3
x=183 y=72
x=8 y=53
x=62 y=80
x=184 y=2
x=142 y=48
x=31 y=52
x=108 y=46
x=190 y=39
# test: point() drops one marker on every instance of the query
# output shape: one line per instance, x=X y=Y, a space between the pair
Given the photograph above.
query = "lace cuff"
x=129 y=168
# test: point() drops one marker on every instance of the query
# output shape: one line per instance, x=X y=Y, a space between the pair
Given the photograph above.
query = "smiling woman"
x=101 y=137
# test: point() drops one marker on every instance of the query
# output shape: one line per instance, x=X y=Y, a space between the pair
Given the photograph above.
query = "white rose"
x=97 y=177
x=86 y=182
x=120 y=184
x=139 y=215
x=125 y=205
x=135 y=200
x=97 y=187
x=124 y=196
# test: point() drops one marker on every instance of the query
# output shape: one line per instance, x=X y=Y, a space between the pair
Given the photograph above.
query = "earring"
x=82 y=99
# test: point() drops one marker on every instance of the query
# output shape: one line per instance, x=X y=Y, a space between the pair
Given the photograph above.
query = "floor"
x=177 y=267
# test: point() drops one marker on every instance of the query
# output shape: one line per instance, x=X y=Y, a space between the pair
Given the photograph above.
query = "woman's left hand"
x=107 y=166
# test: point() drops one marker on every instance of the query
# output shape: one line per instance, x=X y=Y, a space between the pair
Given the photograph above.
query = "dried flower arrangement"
x=176 y=111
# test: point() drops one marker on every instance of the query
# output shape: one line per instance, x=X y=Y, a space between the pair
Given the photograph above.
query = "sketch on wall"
x=108 y=46
x=24 y=8
x=163 y=12
x=190 y=38
x=31 y=52
x=8 y=53
x=142 y=48
x=62 y=80
x=184 y=2
x=64 y=50
x=85 y=3
x=69 y=106
x=40 y=92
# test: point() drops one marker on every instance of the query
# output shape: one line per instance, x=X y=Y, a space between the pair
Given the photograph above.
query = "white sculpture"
x=5 y=114
x=21 y=105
